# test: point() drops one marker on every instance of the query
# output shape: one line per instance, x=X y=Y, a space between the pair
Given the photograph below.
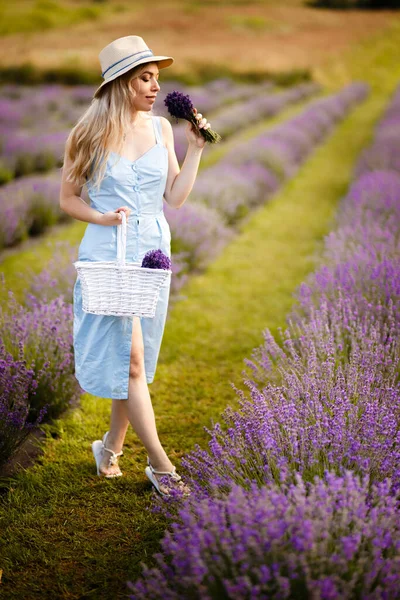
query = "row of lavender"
x=34 y=370
x=28 y=149
x=54 y=107
x=30 y=204
x=226 y=193
x=235 y=117
x=298 y=496
x=247 y=177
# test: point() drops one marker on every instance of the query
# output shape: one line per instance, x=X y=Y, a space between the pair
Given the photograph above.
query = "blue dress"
x=102 y=343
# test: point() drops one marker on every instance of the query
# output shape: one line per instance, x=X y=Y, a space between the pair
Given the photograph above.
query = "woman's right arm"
x=70 y=200
x=72 y=204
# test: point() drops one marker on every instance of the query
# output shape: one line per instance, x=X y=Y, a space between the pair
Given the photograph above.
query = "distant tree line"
x=355 y=4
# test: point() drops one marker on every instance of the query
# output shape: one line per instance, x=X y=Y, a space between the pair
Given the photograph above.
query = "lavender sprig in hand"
x=180 y=106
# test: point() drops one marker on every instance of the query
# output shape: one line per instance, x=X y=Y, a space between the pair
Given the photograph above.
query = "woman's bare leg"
x=119 y=424
x=137 y=410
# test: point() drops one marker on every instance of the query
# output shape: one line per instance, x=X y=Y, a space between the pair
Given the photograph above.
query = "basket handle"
x=121 y=239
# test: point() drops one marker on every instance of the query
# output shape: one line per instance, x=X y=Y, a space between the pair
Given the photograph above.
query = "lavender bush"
x=256 y=106
x=24 y=153
x=28 y=206
x=335 y=538
x=384 y=153
x=37 y=363
x=55 y=109
x=56 y=279
x=234 y=190
x=361 y=258
x=252 y=172
x=18 y=383
x=198 y=234
x=286 y=501
x=329 y=398
x=262 y=106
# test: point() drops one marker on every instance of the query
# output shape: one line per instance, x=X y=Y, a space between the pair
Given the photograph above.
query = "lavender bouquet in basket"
x=180 y=106
x=156 y=259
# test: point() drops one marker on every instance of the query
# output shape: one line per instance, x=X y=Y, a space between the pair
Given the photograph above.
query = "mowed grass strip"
x=68 y=533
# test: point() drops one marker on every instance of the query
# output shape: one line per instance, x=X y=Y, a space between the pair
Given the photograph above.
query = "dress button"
x=136 y=188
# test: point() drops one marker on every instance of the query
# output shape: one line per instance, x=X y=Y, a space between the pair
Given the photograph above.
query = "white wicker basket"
x=119 y=288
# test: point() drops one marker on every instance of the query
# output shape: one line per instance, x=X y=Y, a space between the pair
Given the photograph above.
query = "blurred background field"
x=61 y=40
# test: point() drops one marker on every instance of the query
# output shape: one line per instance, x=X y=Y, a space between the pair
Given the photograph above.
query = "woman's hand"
x=193 y=137
x=112 y=217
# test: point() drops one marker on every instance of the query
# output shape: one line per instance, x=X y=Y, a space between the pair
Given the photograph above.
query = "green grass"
x=373 y=61
x=66 y=533
x=27 y=16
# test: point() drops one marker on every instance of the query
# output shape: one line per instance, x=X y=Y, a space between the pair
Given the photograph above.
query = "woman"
x=125 y=155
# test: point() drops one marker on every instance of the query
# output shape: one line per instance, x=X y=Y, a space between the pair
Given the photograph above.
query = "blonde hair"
x=102 y=126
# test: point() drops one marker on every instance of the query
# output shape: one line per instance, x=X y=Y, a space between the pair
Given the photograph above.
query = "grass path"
x=69 y=534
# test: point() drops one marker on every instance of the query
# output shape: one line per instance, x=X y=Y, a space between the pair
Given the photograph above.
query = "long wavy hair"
x=101 y=127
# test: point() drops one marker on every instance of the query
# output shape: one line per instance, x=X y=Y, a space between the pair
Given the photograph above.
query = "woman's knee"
x=136 y=367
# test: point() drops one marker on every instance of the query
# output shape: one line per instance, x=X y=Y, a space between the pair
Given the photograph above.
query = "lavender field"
x=222 y=197
x=296 y=482
x=298 y=493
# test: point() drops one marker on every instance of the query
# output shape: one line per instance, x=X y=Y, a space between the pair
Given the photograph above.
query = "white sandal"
x=97 y=447
x=149 y=470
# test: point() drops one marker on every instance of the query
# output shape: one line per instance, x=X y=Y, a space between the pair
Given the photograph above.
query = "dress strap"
x=157 y=129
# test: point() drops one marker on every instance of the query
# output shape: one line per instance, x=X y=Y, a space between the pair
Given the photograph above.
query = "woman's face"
x=146 y=87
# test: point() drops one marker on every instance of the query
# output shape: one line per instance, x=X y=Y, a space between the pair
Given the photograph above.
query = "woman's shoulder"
x=166 y=127
x=164 y=121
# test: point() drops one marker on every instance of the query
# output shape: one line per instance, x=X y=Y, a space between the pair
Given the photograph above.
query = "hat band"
x=144 y=54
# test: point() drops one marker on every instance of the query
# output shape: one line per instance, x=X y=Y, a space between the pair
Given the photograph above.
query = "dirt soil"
x=267 y=36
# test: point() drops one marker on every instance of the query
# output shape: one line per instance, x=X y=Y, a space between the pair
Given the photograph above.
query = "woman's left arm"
x=180 y=181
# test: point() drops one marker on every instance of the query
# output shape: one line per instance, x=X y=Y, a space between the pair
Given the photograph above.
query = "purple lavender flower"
x=334 y=538
x=197 y=231
x=18 y=383
x=52 y=350
x=298 y=496
x=384 y=152
x=180 y=106
x=156 y=259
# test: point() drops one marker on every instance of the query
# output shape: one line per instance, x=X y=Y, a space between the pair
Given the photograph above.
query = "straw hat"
x=124 y=54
